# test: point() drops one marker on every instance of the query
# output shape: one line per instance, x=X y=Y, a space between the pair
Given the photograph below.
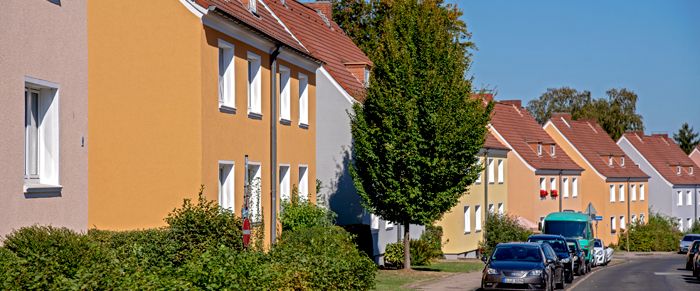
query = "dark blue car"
x=558 y=243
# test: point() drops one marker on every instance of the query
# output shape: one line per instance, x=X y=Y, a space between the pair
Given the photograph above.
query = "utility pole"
x=627 y=232
x=486 y=191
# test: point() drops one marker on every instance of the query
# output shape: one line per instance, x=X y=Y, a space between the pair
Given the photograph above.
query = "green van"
x=572 y=225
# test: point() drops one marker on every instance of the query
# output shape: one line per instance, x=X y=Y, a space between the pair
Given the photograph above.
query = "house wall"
x=458 y=242
x=44 y=41
x=145 y=111
x=594 y=189
x=659 y=192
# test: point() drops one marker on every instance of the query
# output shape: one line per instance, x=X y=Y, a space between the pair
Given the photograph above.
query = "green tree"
x=686 y=138
x=616 y=113
x=417 y=136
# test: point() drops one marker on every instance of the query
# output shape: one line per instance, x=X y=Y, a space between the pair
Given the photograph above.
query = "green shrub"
x=695 y=228
x=501 y=228
x=226 y=268
x=298 y=215
x=393 y=255
x=322 y=258
x=196 y=227
x=423 y=250
x=660 y=233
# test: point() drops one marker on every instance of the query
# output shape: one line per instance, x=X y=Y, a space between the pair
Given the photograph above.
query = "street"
x=652 y=272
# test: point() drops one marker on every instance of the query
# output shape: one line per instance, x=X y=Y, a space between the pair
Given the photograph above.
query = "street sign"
x=246 y=232
x=598 y=218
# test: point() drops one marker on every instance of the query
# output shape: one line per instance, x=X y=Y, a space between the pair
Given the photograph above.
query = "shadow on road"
x=690 y=279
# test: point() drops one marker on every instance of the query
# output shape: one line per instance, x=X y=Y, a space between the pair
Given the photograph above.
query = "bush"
x=660 y=233
x=501 y=228
x=322 y=258
x=298 y=215
x=221 y=268
x=423 y=250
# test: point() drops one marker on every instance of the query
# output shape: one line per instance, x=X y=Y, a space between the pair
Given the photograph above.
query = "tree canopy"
x=686 y=138
x=616 y=114
x=418 y=133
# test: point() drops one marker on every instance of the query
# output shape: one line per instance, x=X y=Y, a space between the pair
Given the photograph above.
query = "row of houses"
x=129 y=107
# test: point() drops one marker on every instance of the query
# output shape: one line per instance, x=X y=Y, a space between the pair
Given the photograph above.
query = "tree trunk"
x=406 y=247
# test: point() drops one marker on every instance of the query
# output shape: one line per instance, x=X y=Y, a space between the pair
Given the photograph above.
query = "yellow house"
x=613 y=184
x=184 y=93
x=463 y=225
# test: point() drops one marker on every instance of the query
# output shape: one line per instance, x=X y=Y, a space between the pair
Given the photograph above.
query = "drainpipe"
x=695 y=203
x=486 y=192
x=273 y=144
x=627 y=220
x=560 y=191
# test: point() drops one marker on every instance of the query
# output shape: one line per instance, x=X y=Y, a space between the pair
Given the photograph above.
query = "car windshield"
x=517 y=253
x=691 y=237
x=572 y=246
x=565 y=228
x=558 y=245
x=598 y=244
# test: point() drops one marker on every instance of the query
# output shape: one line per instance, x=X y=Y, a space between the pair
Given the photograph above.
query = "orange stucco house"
x=612 y=183
x=541 y=175
x=184 y=93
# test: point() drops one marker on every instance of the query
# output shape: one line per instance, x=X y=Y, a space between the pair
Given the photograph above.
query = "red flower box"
x=555 y=193
x=543 y=193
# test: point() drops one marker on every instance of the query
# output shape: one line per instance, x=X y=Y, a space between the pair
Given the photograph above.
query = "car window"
x=691 y=237
x=517 y=253
x=549 y=252
x=557 y=245
x=598 y=244
x=696 y=244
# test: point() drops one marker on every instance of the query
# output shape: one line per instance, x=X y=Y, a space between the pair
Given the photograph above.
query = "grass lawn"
x=399 y=279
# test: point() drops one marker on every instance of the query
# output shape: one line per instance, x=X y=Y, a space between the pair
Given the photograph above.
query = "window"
x=689 y=222
x=285 y=97
x=227 y=92
x=254 y=190
x=541 y=223
x=565 y=187
x=477 y=217
x=366 y=78
x=491 y=175
x=641 y=218
x=479 y=163
x=678 y=170
x=689 y=197
x=491 y=209
x=634 y=218
x=41 y=138
x=303 y=183
x=641 y=191
x=388 y=225
x=612 y=193
x=680 y=223
x=612 y=224
x=622 y=161
x=622 y=192
x=226 y=189
x=690 y=170
x=500 y=172
x=610 y=161
x=500 y=209
x=552 y=150
x=467 y=220
x=285 y=187
x=543 y=186
x=539 y=149
x=374 y=224
x=303 y=99
x=253 y=6
x=553 y=183
x=633 y=192
x=254 y=84
x=622 y=222
x=574 y=186
x=680 y=198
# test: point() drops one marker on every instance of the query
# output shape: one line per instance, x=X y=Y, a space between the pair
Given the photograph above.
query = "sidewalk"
x=460 y=281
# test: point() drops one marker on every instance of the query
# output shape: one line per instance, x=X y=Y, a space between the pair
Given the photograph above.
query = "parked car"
x=580 y=266
x=518 y=266
x=696 y=265
x=602 y=254
x=690 y=255
x=558 y=244
x=686 y=241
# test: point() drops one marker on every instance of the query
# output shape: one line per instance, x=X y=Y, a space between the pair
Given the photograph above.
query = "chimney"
x=517 y=103
x=325 y=7
x=661 y=134
x=565 y=115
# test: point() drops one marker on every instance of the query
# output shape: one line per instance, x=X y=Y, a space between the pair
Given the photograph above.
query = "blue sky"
x=650 y=47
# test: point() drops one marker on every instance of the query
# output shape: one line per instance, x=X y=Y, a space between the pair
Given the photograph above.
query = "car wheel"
x=570 y=277
x=687 y=266
x=560 y=285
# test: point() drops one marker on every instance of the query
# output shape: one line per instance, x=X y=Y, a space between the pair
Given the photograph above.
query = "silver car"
x=686 y=242
x=602 y=254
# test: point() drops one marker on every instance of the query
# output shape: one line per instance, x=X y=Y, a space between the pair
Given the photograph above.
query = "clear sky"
x=650 y=47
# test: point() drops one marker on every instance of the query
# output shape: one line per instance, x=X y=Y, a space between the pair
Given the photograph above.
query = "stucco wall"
x=45 y=41
x=659 y=191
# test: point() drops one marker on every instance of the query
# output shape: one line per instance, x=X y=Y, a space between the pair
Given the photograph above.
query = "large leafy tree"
x=686 y=138
x=418 y=133
x=616 y=114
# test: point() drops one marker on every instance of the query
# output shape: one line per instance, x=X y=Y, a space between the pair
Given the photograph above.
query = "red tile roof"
x=665 y=155
x=596 y=146
x=493 y=143
x=325 y=40
x=264 y=22
x=523 y=133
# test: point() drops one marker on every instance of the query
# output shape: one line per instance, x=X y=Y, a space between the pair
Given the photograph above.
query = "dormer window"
x=610 y=161
x=253 y=6
x=622 y=161
x=366 y=83
x=539 y=149
x=552 y=149
x=690 y=170
x=678 y=170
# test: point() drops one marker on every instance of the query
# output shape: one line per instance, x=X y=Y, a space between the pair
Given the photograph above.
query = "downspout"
x=627 y=220
x=273 y=144
x=695 y=202
x=486 y=192
x=561 y=190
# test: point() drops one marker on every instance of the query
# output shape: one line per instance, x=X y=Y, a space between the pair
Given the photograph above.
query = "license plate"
x=513 y=280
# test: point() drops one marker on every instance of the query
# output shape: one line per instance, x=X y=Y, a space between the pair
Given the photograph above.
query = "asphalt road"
x=657 y=272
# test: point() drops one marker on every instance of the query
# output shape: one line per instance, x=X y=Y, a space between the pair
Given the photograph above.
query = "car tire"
x=569 y=277
x=688 y=266
x=560 y=285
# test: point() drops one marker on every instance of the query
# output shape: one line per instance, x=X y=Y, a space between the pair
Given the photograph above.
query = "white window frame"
x=689 y=222
x=303 y=99
x=46 y=137
x=303 y=182
x=622 y=192
x=285 y=182
x=374 y=221
x=501 y=177
x=388 y=225
x=633 y=219
x=689 y=197
x=641 y=217
x=285 y=94
x=227 y=81
x=255 y=202
x=680 y=223
x=574 y=186
x=633 y=192
x=479 y=162
x=477 y=217
x=491 y=174
x=543 y=183
x=552 y=184
x=612 y=224
x=539 y=149
x=254 y=84
x=467 y=219
x=679 y=194
x=623 y=222
x=552 y=150
x=612 y=193
x=253 y=6
x=492 y=208
x=641 y=192
x=501 y=209
x=227 y=188
x=622 y=161
x=565 y=187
